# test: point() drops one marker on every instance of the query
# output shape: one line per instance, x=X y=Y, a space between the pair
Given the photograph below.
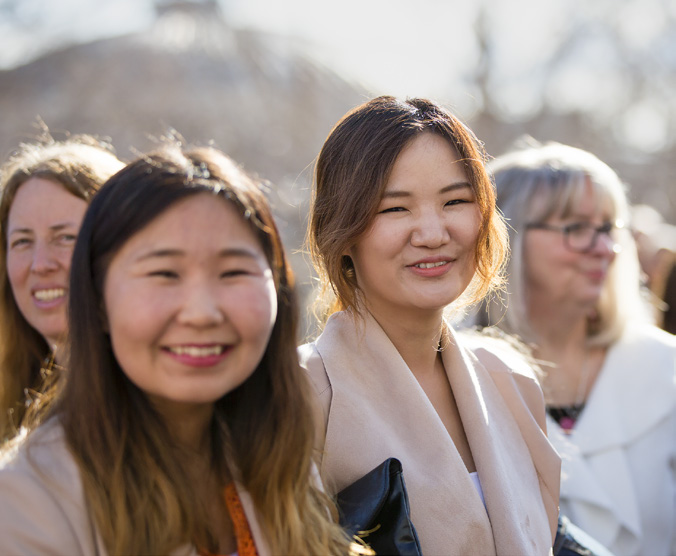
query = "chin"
x=435 y=304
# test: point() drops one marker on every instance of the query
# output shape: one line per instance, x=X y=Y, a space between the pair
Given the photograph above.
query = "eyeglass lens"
x=583 y=236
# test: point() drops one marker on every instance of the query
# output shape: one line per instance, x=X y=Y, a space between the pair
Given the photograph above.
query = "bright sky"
x=424 y=48
x=385 y=43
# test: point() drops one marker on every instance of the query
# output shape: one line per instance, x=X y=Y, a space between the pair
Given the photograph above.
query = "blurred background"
x=266 y=80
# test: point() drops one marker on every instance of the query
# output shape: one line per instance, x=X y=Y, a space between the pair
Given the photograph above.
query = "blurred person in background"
x=185 y=424
x=609 y=376
x=45 y=188
x=403 y=223
x=656 y=245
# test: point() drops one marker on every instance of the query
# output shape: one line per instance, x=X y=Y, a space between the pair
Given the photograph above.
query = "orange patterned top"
x=245 y=542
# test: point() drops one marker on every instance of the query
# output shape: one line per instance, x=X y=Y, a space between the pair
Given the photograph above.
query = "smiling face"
x=42 y=227
x=556 y=275
x=418 y=254
x=191 y=302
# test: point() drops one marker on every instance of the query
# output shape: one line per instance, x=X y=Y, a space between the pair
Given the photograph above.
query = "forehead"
x=38 y=198
x=428 y=159
x=201 y=224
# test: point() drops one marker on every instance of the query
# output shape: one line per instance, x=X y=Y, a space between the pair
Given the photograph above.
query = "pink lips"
x=198 y=355
x=597 y=275
x=431 y=267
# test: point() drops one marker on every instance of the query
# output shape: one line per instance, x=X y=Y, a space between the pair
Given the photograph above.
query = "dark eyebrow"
x=55 y=228
x=445 y=189
x=225 y=253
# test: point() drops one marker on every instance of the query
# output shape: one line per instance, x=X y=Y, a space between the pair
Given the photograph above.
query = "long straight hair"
x=139 y=493
x=80 y=164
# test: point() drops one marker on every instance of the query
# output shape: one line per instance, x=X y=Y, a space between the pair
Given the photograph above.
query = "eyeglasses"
x=580 y=237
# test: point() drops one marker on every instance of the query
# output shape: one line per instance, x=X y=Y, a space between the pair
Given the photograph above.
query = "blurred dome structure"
x=257 y=96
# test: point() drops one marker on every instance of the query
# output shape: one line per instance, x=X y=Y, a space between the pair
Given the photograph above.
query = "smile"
x=430 y=265
x=197 y=351
x=50 y=294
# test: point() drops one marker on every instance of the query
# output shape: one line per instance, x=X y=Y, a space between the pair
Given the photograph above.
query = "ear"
x=347 y=267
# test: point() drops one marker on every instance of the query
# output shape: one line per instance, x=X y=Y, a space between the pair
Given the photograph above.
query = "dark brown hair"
x=351 y=174
x=136 y=487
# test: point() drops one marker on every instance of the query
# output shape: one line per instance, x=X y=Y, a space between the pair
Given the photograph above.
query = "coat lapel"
x=502 y=457
x=262 y=548
x=378 y=410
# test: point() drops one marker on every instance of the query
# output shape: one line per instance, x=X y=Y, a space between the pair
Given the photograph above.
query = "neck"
x=570 y=366
x=557 y=327
x=416 y=337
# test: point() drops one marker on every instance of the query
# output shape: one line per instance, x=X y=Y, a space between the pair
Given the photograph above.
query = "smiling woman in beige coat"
x=403 y=223
x=185 y=425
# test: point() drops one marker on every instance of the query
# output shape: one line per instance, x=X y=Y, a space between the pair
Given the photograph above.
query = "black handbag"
x=573 y=541
x=375 y=509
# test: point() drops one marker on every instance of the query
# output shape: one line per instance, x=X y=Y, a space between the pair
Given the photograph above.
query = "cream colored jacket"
x=373 y=408
x=42 y=505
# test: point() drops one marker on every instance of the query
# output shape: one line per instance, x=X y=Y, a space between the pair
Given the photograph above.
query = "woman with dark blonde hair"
x=403 y=225
x=185 y=423
x=45 y=188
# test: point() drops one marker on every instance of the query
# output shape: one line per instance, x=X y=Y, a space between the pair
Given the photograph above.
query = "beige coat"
x=374 y=408
x=42 y=505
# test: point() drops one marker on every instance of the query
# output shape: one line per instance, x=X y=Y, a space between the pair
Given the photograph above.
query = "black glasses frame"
x=605 y=228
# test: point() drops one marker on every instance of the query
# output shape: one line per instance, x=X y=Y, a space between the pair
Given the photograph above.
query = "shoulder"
x=39 y=487
x=510 y=365
x=647 y=348
x=312 y=362
x=501 y=353
x=649 y=338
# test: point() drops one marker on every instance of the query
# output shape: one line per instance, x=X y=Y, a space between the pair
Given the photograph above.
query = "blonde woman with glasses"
x=609 y=376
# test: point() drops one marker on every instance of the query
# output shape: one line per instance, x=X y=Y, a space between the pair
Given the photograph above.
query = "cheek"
x=382 y=240
x=132 y=315
x=65 y=257
x=464 y=226
x=16 y=266
x=254 y=311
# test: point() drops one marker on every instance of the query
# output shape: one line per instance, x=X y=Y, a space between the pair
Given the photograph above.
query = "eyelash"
x=234 y=273
x=164 y=274
x=451 y=203
x=27 y=241
x=173 y=274
x=20 y=242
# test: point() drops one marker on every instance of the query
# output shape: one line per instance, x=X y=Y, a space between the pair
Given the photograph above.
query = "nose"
x=200 y=307
x=44 y=260
x=430 y=230
x=606 y=246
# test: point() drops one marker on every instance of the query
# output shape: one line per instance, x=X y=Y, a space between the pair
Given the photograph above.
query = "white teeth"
x=49 y=295
x=194 y=351
x=431 y=265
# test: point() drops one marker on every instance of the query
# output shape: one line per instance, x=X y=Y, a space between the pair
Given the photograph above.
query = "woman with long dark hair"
x=185 y=424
